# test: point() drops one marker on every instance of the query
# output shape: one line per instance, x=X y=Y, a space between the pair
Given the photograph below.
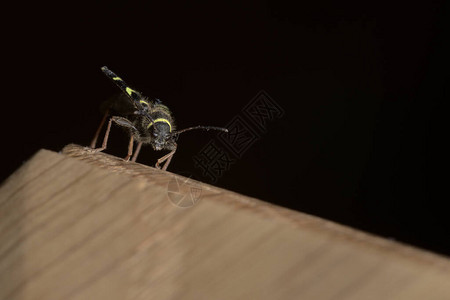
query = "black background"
x=361 y=141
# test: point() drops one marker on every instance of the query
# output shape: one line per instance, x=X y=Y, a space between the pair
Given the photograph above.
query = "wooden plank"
x=83 y=225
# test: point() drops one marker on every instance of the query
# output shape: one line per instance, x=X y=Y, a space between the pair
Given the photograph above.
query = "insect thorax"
x=162 y=121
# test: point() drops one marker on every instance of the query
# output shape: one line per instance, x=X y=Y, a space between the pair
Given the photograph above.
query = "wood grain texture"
x=83 y=225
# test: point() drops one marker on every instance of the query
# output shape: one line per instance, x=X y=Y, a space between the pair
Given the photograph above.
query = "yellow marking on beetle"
x=161 y=120
x=143 y=102
x=117 y=78
x=130 y=91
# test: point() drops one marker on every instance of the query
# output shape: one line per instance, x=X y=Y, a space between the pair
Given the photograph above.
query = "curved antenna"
x=207 y=128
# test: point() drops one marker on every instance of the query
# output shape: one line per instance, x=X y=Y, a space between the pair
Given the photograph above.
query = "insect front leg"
x=166 y=158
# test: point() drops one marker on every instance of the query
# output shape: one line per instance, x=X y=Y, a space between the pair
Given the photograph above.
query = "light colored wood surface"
x=84 y=225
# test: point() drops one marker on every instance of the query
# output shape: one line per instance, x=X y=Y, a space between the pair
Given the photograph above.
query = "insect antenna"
x=207 y=128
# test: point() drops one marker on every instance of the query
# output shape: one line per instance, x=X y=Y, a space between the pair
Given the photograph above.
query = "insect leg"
x=130 y=149
x=97 y=133
x=105 y=139
x=136 y=152
x=119 y=121
x=166 y=158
